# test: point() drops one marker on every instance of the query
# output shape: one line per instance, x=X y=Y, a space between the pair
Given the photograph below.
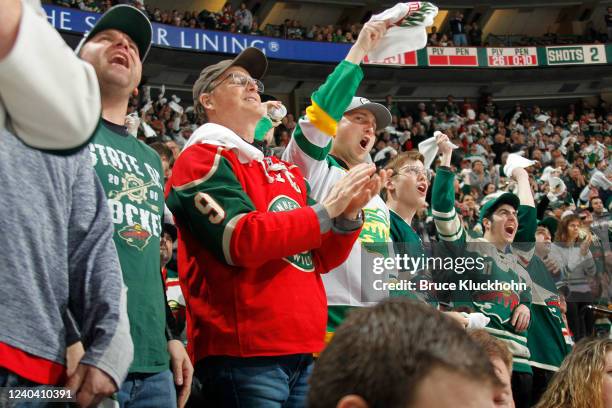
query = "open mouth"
x=364 y=142
x=119 y=59
x=422 y=188
x=510 y=229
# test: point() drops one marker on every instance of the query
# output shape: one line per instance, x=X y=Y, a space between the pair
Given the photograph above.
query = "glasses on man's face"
x=416 y=171
x=240 y=80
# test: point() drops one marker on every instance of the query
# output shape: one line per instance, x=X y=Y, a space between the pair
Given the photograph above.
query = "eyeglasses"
x=413 y=170
x=240 y=80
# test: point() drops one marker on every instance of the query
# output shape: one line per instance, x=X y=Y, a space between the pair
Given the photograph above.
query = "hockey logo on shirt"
x=302 y=261
x=375 y=230
x=133 y=188
x=554 y=306
x=135 y=236
x=499 y=304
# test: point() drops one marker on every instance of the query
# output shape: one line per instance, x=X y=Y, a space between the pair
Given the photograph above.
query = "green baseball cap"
x=549 y=223
x=128 y=20
x=490 y=206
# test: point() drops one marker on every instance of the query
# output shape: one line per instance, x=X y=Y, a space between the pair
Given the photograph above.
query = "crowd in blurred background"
x=244 y=21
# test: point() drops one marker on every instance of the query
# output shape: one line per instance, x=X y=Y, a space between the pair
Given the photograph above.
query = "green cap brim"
x=128 y=20
x=490 y=207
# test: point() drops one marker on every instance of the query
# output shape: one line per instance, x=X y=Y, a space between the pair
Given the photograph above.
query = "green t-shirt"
x=131 y=174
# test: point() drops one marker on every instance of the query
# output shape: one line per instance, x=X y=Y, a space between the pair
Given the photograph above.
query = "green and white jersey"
x=406 y=242
x=502 y=267
x=131 y=173
x=402 y=232
x=545 y=339
x=309 y=149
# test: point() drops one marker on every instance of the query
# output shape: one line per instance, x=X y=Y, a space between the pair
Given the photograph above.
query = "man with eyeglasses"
x=132 y=176
x=252 y=246
x=509 y=223
x=336 y=135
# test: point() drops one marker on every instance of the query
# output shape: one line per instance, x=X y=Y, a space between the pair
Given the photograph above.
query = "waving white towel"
x=409 y=32
x=514 y=161
x=429 y=148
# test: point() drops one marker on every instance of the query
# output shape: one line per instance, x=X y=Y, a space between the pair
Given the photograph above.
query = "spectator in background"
x=90 y=5
x=575 y=181
x=602 y=222
x=166 y=156
x=392 y=106
x=134 y=189
x=174 y=297
x=433 y=36
x=571 y=251
x=255 y=28
x=583 y=381
x=451 y=108
x=244 y=18
x=444 y=41
x=475 y=35
x=433 y=361
x=458 y=30
x=479 y=176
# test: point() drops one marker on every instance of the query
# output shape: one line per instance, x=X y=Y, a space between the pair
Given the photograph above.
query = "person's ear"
x=352 y=401
x=486 y=223
x=389 y=186
x=135 y=92
x=205 y=101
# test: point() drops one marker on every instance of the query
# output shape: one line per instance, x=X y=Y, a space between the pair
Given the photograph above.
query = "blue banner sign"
x=73 y=20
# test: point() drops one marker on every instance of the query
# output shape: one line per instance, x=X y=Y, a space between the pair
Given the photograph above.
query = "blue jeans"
x=459 y=40
x=258 y=382
x=9 y=379
x=144 y=390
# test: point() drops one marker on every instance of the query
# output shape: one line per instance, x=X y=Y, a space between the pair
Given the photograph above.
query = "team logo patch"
x=135 y=236
x=499 y=304
x=375 y=230
x=554 y=306
x=302 y=261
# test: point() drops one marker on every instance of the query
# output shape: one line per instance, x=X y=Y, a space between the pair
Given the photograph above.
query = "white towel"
x=409 y=33
x=514 y=161
x=429 y=149
x=218 y=135
x=476 y=320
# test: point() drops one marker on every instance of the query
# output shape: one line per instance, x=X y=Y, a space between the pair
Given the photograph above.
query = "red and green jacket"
x=250 y=250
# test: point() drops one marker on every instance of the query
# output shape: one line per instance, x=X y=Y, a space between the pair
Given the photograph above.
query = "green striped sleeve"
x=211 y=206
x=445 y=217
x=312 y=150
x=338 y=89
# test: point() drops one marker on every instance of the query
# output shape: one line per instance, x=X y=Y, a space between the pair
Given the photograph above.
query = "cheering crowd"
x=228 y=261
x=242 y=20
